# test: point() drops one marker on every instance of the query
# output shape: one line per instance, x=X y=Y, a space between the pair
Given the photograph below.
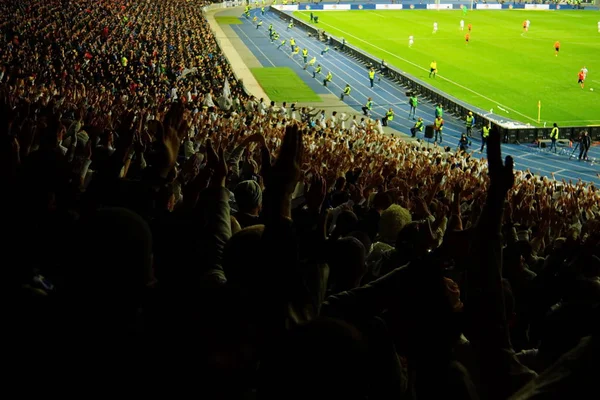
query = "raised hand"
x=217 y=164
x=315 y=194
x=286 y=172
x=502 y=176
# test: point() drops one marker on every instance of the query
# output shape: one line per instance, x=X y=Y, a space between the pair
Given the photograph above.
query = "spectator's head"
x=248 y=197
x=328 y=357
x=240 y=257
x=346 y=260
x=114 y=267
x=392 y=221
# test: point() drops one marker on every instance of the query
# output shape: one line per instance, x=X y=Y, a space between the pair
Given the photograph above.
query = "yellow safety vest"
x=554 y=134
x=371 y=74
x=304 y=52
x=390 y=115
x=486 y=132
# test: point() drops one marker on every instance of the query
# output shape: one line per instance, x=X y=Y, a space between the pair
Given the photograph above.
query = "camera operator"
x=585 y=141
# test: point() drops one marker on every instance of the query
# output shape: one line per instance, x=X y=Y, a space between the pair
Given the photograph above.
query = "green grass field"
x=500 y=66
x=228 y=20
x=283 y=84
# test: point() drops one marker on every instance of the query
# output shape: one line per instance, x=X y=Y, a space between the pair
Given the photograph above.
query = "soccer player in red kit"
x=581 y=79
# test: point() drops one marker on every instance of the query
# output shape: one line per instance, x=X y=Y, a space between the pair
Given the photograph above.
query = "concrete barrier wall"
x=240 y=69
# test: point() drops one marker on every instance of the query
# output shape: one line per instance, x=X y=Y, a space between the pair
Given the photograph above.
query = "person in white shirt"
x=262 y=107
x=435 y=27
x=585 y=71
x=462 y=24
x=527 y=23
x=598 y=26
x=410 y=41
x=283 y=110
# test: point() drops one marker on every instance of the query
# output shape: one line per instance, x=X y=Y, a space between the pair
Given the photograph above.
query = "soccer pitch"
x=500 y=68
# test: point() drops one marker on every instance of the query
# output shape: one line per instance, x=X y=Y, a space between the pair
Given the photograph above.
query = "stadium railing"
x=513 y=131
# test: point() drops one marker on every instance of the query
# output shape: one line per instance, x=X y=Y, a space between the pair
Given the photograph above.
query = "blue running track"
x=386 y=94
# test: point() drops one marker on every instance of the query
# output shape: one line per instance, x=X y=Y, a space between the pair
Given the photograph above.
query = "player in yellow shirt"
x=433 y=68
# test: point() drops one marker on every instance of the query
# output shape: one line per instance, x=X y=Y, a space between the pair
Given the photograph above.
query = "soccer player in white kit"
x=598 y=26
x=585 y=71
x=410 y=41
x=462 y=24
x=527 y=23
x=435 y=27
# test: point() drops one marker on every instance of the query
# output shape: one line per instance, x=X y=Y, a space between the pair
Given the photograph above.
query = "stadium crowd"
x=165 y=229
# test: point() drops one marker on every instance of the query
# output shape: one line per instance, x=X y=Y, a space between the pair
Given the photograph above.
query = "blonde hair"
x=393 y=219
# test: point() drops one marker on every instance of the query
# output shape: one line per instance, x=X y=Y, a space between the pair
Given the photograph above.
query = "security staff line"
x=538 y=163
x=361 y=71
x=341 y=87
x=380 y=101
x=383 y=105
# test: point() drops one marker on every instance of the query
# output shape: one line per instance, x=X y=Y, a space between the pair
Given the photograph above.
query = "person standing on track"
x=553 y=137
x=433 y=68
x=485 y=134
x=469 y=122
x=584 y=146
x=372 y=76
x=346 y=92
x=438 y=127
x=305 y=55
x=439 y=111
x=292 y=43
x=556 y=48
x=413 y=102
x=367 y=107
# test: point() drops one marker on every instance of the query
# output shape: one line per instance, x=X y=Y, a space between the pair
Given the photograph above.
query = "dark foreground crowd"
x=164 y=235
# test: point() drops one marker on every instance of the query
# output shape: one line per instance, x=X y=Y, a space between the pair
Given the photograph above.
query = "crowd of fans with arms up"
x=165 y=229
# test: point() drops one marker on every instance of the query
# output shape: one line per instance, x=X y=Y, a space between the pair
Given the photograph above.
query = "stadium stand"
x=165 y=230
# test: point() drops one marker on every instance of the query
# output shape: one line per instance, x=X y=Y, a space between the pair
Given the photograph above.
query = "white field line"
x=425 y=69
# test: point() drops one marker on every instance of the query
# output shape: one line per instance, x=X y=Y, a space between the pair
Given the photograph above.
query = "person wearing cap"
x=248 y=199
x=469 y=122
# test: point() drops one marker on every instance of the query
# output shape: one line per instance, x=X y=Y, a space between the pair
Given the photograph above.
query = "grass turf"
x=283 y=84
x=228 y=20
x=500 y=66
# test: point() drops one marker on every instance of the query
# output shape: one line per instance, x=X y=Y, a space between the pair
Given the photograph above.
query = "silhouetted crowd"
x=166 y=232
